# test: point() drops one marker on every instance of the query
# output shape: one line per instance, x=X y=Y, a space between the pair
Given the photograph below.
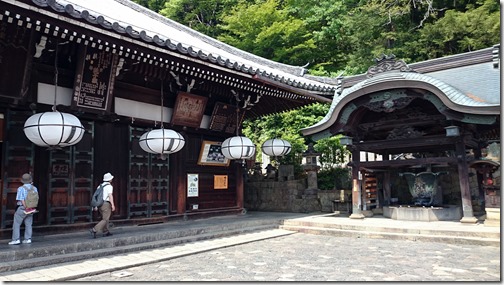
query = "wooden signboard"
x=94 y=80
x=224 y=118
x=189 y=110
x=220 y=182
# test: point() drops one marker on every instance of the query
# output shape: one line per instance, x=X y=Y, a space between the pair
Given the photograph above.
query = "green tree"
x=266 y=29
x=459 y=31
x=286 y=126
x=200 y=15
x=416 y=30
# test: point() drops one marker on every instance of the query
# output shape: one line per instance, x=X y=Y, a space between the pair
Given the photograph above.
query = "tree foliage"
x=336 y=36
x=268 y=30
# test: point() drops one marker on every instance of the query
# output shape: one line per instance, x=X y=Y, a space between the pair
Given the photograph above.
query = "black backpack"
x=97 y=199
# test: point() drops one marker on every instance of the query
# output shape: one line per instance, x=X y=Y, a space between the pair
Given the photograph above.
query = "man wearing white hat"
x=20 y=215
x=106 y=209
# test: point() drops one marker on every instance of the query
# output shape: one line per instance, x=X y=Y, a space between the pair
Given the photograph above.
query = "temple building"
x=436 y=126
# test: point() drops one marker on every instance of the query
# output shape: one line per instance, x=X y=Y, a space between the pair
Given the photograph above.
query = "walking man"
x=20 y=215
x=106 y=209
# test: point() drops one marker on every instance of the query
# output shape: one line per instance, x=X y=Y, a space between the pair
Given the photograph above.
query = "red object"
x=489 y=181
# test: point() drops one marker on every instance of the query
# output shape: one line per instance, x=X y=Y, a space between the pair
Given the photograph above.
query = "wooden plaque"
x=224 y=118
x=220 y=182
x=94 y=81
x=189 y=110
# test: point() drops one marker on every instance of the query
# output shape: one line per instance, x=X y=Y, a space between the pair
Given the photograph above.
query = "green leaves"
x=341 y=36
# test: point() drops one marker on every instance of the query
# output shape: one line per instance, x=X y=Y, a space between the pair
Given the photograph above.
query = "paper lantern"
x=162 y=141
x=238 y=148
x=276 y=147
x=53 y=129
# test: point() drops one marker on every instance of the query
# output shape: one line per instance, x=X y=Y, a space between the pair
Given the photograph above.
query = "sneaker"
x=14 y=242
x=107 y=234
x=30 y=211
x=93 y=233
x=27 y=241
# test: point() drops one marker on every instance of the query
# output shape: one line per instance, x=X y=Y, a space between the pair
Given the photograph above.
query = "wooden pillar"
x=180 y=178
x=356 y=189
x=240 y=185
x=479 y=177
x=463 y=172
x=387 y=192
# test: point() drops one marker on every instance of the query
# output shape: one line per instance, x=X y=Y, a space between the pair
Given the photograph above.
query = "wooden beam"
x=407 y=162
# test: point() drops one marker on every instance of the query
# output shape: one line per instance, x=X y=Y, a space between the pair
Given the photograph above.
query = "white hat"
x=107 y=176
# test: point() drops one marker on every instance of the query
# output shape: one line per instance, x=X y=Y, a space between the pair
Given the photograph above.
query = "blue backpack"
x=97 y=199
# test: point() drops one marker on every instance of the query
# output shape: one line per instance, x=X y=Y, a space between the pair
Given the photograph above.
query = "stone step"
x=450 y=238
x=397 y=230
x=79 y=246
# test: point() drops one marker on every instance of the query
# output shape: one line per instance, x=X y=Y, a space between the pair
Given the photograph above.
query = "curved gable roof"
x=450 y=96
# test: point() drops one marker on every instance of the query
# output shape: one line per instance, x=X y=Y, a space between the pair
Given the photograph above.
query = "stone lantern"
x=311 y=168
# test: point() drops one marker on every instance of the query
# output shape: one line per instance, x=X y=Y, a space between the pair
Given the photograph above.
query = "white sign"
x=192 y=185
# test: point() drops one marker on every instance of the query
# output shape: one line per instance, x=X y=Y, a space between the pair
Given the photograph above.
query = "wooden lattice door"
x=18 y=159
x=148 y=179
x=71 y=181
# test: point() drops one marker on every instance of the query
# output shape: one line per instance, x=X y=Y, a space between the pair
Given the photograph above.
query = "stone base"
x=446 y=213
x=367 y=213
x=492 y=217
x=469 y=220
x=357 y=216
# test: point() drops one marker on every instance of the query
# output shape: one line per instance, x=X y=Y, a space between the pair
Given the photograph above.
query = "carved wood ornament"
x=388 y=63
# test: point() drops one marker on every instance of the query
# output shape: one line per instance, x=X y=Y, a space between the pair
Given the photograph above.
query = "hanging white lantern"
x=53 y=129
x=162 y=141
x=238 y=148
x=276 y=147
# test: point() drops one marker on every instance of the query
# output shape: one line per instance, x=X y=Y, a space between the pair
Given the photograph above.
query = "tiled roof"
x=480 y=84
x=129 y=19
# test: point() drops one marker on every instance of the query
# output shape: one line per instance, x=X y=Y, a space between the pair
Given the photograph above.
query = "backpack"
x=32 y=197
x=97 y=199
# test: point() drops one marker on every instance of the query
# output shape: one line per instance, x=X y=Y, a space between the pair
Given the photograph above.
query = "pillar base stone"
x=357 y=216
x=469 y=220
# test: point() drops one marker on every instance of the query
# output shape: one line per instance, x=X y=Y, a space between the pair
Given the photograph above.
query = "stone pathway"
x=306 y=257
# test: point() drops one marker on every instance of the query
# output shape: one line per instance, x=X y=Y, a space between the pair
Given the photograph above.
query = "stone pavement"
x=445 y=247
x=307 y=257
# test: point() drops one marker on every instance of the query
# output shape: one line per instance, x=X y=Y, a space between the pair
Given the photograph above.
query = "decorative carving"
x=403 y=132
x=387 y=63
x=389 y=105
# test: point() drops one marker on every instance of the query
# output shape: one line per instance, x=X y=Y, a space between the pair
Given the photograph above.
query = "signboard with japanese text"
x=192 y=185
x=94 y=80
x=189 y=110
x=59 y=170
x=224 y=118
x=220 y=182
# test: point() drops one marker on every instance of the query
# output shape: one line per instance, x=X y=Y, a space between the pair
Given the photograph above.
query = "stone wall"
x=280 y=196
x=290 y=196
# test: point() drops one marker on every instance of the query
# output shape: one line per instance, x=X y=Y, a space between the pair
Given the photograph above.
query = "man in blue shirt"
x=20 y=215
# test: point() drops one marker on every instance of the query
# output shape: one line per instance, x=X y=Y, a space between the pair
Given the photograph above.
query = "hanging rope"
x=55 y=75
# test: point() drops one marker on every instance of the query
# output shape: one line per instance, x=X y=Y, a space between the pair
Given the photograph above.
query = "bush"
x=334 y=178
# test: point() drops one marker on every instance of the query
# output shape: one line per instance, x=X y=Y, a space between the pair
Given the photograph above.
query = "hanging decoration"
x=276 y=147
x=54 y=129
x=238 y=147
x=161 y=141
